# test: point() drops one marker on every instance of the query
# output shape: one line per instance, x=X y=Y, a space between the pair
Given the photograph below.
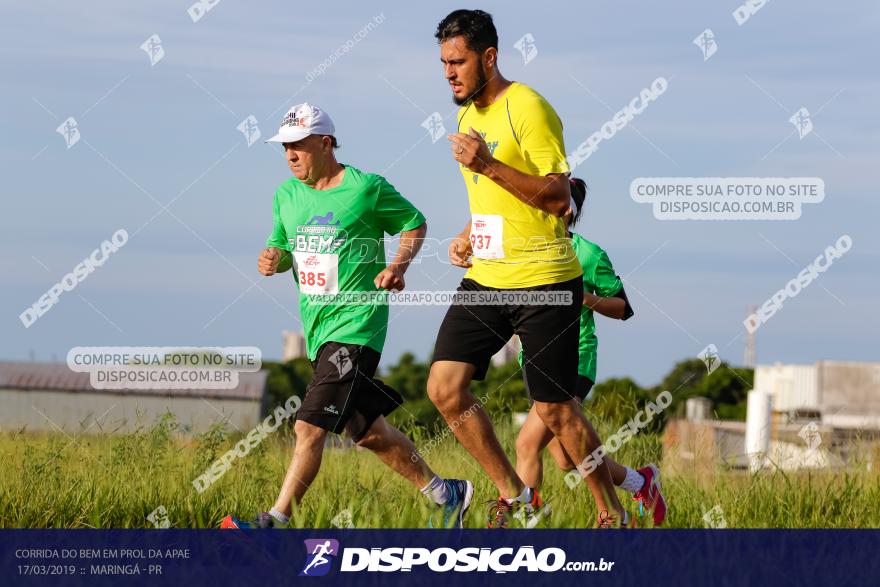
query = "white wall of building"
x=794 y=387
x=77 y=411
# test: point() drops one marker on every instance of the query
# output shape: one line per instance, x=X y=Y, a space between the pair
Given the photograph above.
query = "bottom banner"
x=438 y=557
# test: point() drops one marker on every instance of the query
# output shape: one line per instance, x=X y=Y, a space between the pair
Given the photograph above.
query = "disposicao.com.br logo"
x=442 y=560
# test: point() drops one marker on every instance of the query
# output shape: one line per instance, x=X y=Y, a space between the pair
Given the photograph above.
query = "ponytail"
x=579 y=195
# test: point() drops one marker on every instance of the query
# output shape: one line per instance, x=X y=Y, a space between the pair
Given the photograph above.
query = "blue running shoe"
x=460 y=495
x=263 y=520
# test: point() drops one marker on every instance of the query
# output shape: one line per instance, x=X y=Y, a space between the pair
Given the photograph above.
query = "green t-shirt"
x=601 y=280
x=335 y=236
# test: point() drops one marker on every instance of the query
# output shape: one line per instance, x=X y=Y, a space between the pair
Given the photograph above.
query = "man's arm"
x=285 y=262
x=274 y=259
x=611 y=307
x=391 y=278
x=613 y=303
x=549 y=193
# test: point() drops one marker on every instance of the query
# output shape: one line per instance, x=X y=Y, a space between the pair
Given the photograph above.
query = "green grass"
x=54 y=480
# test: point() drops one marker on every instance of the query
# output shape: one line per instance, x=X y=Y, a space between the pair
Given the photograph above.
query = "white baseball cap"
x=301 y=121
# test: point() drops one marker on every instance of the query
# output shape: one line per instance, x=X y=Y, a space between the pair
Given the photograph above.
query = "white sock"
x=436 y=489
x=279 y=516
x=633 y=481
x=524 y=497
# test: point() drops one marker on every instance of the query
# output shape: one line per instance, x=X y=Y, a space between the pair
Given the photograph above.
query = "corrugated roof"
x=58 y=377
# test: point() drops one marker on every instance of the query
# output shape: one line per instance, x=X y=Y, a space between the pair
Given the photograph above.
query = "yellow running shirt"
x=516 y=245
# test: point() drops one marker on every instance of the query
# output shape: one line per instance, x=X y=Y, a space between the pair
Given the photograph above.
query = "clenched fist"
x=460 y=252
x=391 y=279
x=470 y=150
x=269 y=259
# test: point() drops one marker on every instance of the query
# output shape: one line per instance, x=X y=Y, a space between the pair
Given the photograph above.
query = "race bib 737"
x=487 y=236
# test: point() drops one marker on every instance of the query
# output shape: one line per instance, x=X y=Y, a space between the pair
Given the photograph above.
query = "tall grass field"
x=104 y=481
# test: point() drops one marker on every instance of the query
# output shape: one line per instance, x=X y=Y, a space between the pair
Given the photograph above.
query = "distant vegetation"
x=615 y=400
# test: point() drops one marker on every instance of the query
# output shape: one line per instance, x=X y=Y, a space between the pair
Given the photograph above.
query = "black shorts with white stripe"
x=343 y=396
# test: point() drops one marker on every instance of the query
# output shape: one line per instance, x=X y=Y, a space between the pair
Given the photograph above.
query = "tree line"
x=614 y=400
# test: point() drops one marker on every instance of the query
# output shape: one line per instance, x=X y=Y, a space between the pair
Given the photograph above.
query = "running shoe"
x=607 y=521
x=461 y=492
x=262 y=520
x=531 y=514
x=500 y=512
x=650 y=496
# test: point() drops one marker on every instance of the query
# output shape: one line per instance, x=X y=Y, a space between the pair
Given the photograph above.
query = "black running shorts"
x=343 y=396
x=472 y=333
x=581 y=391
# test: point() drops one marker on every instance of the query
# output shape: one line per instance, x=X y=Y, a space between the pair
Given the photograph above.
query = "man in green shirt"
x=603 y=293
x=329 y=223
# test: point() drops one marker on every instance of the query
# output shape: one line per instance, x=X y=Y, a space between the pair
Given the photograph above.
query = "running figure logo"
x=709 y=356
x=319 y=553
x=341 y=359
x=802 y=122
x=69 y=129
x=810 y=434
x=527 y=47
x=154 y=50
x=325 y=220
x=250 y=129
x=434 y=125
x=706 y=42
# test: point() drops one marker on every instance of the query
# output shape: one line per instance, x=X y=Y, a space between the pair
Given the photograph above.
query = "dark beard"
x=481 y=86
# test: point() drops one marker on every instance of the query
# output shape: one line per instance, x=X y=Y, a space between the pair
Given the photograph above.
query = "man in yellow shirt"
x=511 y=153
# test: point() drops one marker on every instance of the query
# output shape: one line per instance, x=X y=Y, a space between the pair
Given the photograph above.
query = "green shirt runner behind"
x=601 y=280
x=335 y=236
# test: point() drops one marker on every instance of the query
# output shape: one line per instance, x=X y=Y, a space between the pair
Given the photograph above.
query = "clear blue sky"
x=168 y=133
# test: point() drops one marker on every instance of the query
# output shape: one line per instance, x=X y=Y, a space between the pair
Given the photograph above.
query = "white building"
x=294 y=346
x=845 y=394
x=799 y=417
x=50 y=397
x=508 y=353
